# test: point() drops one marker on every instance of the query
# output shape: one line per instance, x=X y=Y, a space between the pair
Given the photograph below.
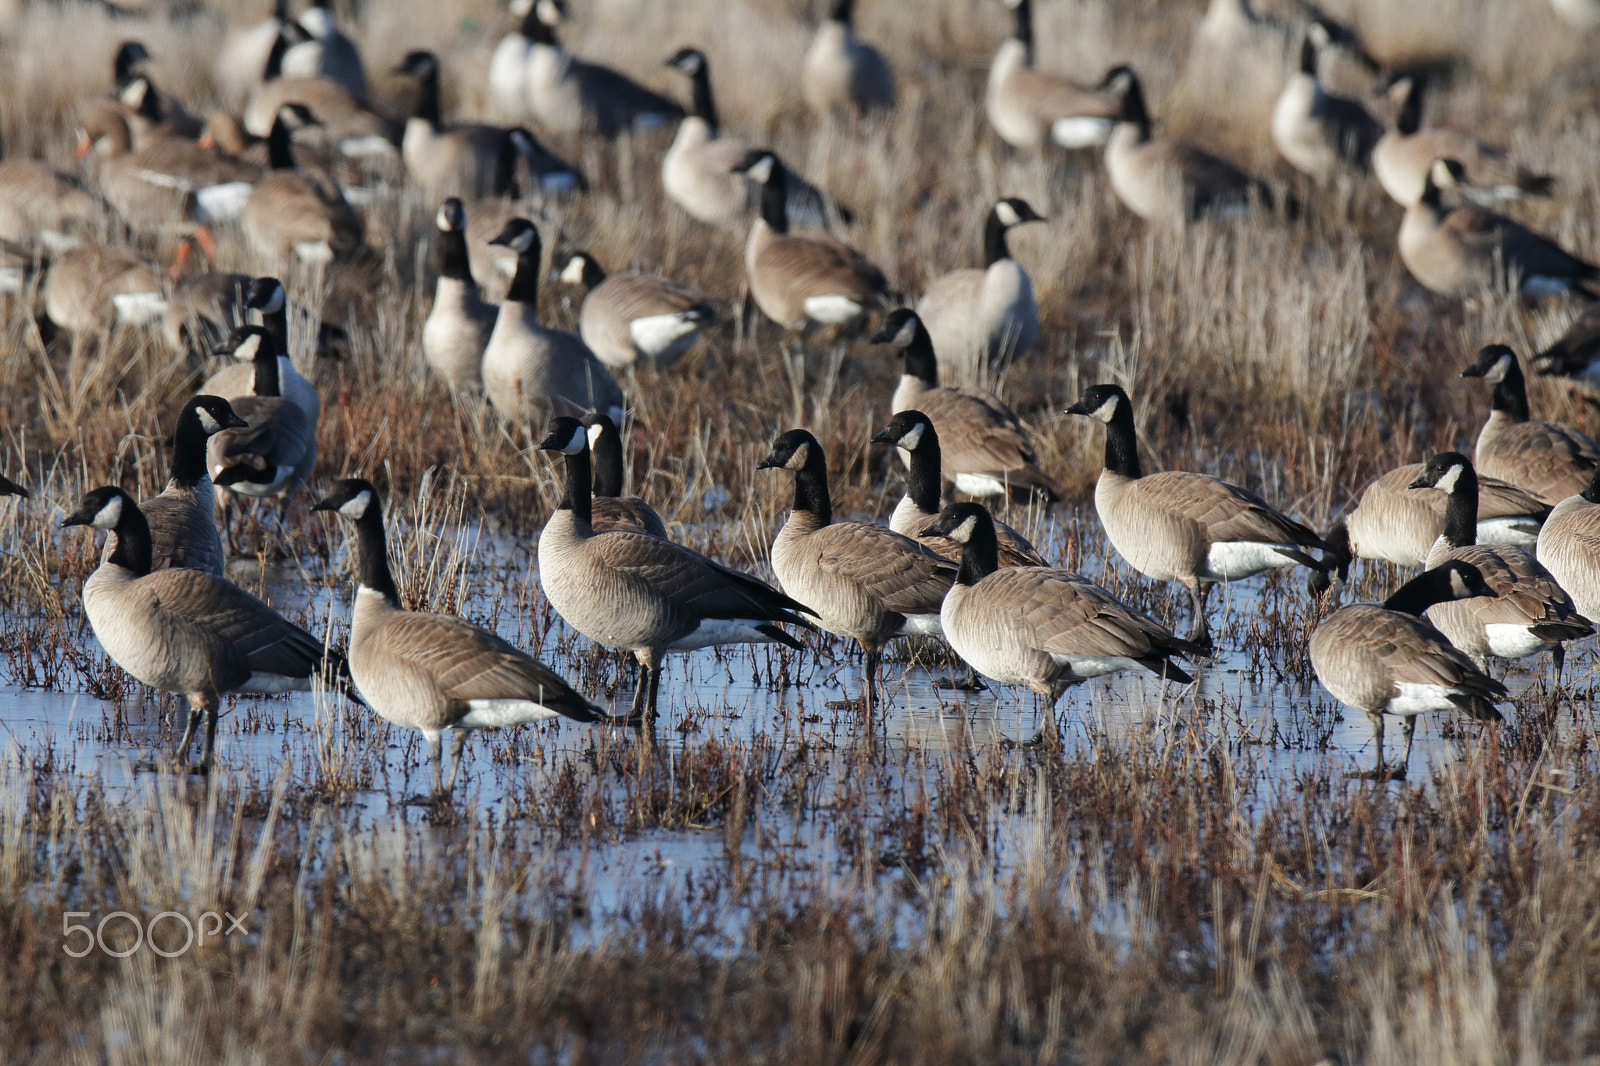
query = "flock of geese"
x=1507 y=538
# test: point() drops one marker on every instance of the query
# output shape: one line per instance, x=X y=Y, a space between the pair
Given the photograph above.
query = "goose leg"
x=1558 y=656
x=1377 y=743
x=435 y=757
x=1199 y=628
x=458 y=744
x=636 y=711
x=655 y=687
x=196 y=711
x=1409 y=727
x=210 y=738
x=874 y=658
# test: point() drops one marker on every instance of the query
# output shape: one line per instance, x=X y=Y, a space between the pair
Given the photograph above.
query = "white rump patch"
x=980 y=484
x=1521 y=530
x=312 y=252
x=366 y=147
x=253 y=488
x=1079 y=133
x=12 y=279
x=832 y=310
x=1096 y=665
x=357 y=505
x=659 y=335
x=497 y=713
x=274 y=685
x=926 y=625
x=1536 y=286
x=222 y=203
x=1508 y=640
x=1416 y=698
x=1240 y=559
x=714 y=631
x=558 y=181
x=139 y=308
x=109 y=515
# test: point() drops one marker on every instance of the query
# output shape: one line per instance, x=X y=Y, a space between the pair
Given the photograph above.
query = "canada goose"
x=508 y=66
x=632 y=318
x=1529 y=613
x=1167 y=181
x=278 y=451
x=985 y=449
x=568 y=96
x=1029 y=108
x=297 y=214
x=610 y=509
x=183 y=527
x=433 y=672
x=456 y=159
x=1549 y=459
x=529 y=370
x=1039 y=627
x=187 y=631
x=1575 y=355
x=840 y=73
x=526 y=173
x=800 y=279
x=11 y=488
x=457 y=330
x=242 y=58
x=1402 y=157
x=266 y=297
x=42 y=207
x=1178 y=526
x=1319 y=133
x=1461 y=251
x=980 y=319
x=700 y=171
x=327 y=54
x=914 y=434
x=149 y=113
x=348 y=125
x=1387 y=660
x=168 y=182
x=93 y=287
x=862 y=581
x=1399 y=524
x=202 y=308
x=643 y=594
x=1569 y=547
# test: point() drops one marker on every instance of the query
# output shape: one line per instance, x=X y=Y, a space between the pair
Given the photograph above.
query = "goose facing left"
x=1322 y=135
x=642 y=594
x=1552 y=460
x=187 y=631
x=433 y=672
x=842 y=73
x=635 y=318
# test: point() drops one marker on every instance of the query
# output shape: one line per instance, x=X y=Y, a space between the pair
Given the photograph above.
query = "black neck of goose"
x=924 y=475
x=1122 y=442
x=280 y=146
x=427 y=108
x=150 y=108
x=577 y=498
x=775 y=201
x=1511 y=394
x=995 y=247
x=593 y=274
x=266 y=368
x=980 y=555
x=537 y=30
x=451 y=255
x=525 y=282
x=1409 y=120
x=705 y=106
x=1308 y=57
x=1022 y=29
x=1591 y=492
x=277 y=324
x=844 y=11
x=189 y=450
x=608 y=464
x=373 y=550
x=280 y=48
x=1461 y=511
x=133 y=550
x=1134 y=110
x=1430 y=197
x=122 y=69
x=811 y=492
x=921 y=363
x=1421 y=592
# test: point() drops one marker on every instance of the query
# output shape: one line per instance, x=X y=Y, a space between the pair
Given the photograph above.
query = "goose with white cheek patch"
x=1549 y=459
x=1529 y=612
x=187 y=631
x=1039 y=627
x=1031 y=109
x=986 y=452
x=1178 y=526
x=433 y=672
x=643 y=594
x=635 y=318
x=276 y=451
x=459 y=324
x=1388 y=661
x=183 y=527
x=610 y=509
x=266 y=297
x=863 y=581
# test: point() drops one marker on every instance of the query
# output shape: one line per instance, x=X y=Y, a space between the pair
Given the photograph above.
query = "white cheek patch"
x=1006 y=214
x=207 y=423
x=912 y=437
x=963 y=533
x=246 y=352
x=549 y=13
x=761 y=171
x=357 y=505
x=907 y=333
x=274 y=302
x=798 y=460
x=594 y=435
x=522 y=241
x=579 y=441
x=1497 y=373
x=572 y=273
x=1447 y=483
x=1108 y=410
x=1458 y=586
x=109 y=515
x=445 y=219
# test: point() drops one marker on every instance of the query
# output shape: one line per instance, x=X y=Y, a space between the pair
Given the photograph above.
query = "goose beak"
x=1078 y=408
x=236 y=422
x=1423 y=482
x=328 y=504
x=76 y=518
x=770 y=462
x=552 y=443
x=931 y=531
x=883 y=436
x=883 y=336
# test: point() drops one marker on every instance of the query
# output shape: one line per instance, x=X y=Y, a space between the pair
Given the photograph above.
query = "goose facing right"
x=1178 y=526
x=1549 y=459
x=433 y=672
x=187 y=631
x=1385 y=660
x=642 y=594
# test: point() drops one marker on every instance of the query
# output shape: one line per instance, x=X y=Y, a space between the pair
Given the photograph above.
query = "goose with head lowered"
x=433 y=672
x=842 y=73
x=460 y=322
x=1177 y=526
x=700 y=171
x=1385 y=660
x=981 y=319
x=1549 y=459
x=863 y=581
x=530 y=371
x=277 y=450
x=802 y=279
x=985 y=450
x=187 y=631
x=1575 y=355
x=1039 y=627
x=642 y=594
x=610 y=509
x=1529 y=612
x=1029 y=108
x=634 y=318
x=182 y=519
x=1464 y=250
